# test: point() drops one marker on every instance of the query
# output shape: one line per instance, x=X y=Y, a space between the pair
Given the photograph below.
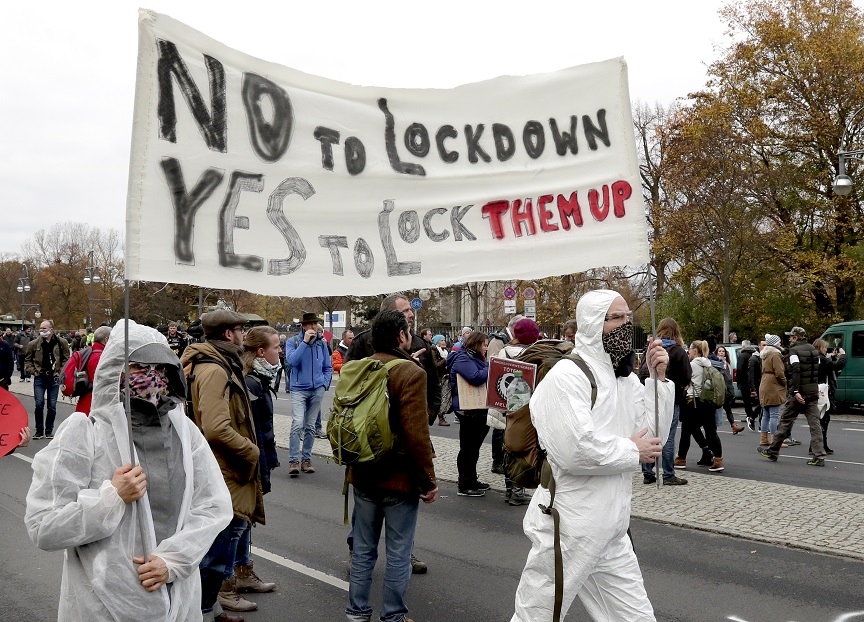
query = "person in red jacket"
x=100 y=338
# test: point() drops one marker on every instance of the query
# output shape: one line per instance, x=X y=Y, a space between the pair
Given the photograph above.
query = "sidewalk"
x=823 y=521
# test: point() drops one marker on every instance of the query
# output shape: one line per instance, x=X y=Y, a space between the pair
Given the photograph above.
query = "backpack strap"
x=548 y=482
x=85 y=357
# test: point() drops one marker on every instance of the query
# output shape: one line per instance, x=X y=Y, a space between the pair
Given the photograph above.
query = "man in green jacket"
x=46 y=357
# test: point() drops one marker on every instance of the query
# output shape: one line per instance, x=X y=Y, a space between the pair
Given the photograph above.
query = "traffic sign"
x=529 y=293
x=416 y=303
x=509 y=293
x=510 y=307
x=530 y=304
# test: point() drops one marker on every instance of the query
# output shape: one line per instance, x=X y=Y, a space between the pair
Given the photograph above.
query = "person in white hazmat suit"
x=593 y=453
x=83 y=486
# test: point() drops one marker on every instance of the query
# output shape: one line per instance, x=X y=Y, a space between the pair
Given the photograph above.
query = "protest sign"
x=251 y=175
x=470 y=397
x=13 y=417
x=501 y=375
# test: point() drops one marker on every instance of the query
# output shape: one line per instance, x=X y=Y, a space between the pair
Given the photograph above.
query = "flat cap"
x=220 y=320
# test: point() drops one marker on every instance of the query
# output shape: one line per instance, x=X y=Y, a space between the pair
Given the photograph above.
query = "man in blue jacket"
x=309 y=359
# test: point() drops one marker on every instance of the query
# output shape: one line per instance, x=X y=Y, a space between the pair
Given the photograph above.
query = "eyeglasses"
x=614 y=317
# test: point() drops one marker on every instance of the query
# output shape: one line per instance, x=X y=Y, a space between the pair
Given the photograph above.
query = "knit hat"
x=526 y=331
x=772 y=340
x=437 y=339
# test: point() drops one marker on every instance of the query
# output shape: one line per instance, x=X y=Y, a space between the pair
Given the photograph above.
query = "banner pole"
x=138 y=508
x=657 y=463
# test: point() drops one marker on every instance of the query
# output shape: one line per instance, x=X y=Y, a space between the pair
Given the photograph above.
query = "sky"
x=68 y=71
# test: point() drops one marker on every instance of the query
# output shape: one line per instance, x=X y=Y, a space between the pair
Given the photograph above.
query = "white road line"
x=24 y=458
x=826 y=459
x=852 y=429
x=309 y=572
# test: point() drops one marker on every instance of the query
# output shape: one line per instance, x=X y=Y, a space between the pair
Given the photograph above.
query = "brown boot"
x=248 y=581
x=231 y=600
x=680 y=463
x=717 y=466
x=764 y=442
x=737 y=428
x=224 y=617
x=306 y=466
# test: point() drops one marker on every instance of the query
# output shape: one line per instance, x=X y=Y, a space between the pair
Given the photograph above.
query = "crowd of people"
x=195 y=473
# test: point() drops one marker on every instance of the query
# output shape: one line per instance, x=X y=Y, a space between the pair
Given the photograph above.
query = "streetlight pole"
x=91 y=276
x=842 y=185
x=24 y=287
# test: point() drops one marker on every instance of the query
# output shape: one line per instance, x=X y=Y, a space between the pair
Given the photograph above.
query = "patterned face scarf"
x=146 y=382
x=263 y=367
x=618 y=343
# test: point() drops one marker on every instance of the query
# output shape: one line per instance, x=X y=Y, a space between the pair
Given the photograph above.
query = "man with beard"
x=592 y=452
x=361 y=347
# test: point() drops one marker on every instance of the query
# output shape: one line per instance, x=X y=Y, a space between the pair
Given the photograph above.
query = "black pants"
x=497 y=446
x=24 y=374
x=472 y=433
x=690 y=427
x=705 y=415
x=749 y=403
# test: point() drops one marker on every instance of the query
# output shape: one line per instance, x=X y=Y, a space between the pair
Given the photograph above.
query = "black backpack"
x=81 y=383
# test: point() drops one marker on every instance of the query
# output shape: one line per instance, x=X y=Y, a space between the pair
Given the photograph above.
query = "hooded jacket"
x=593 y=461
x=73 y=505
x=697 y=367
x=224 y=414
x=743 y=377
x=772 y=389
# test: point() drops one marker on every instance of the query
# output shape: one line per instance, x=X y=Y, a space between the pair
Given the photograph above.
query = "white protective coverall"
x=72 y=505
x=593 y=461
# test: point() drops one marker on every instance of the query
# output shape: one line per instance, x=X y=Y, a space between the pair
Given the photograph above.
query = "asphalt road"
x=475 y=550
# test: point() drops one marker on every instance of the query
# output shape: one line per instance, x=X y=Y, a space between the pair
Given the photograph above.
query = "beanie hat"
x=526 y=331
x=437 y=339
x=772 y=340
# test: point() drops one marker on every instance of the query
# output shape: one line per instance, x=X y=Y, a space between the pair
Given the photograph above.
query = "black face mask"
x=618 y=344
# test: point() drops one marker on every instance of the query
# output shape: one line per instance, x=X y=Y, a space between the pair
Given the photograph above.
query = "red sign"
x=13 y=417
x=509 y=293
x=501 y=376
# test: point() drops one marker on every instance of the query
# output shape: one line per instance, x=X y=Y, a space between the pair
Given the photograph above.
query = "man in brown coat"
x=222 y=410
x=390 y=490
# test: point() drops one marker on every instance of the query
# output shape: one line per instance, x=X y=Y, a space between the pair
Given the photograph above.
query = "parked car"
x=850 y=337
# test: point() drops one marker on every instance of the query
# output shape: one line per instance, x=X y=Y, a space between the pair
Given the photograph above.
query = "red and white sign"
x=501 y=375
x=13 y=417
x=509 y=293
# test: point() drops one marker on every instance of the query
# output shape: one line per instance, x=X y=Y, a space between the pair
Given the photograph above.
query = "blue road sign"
x=416 y=303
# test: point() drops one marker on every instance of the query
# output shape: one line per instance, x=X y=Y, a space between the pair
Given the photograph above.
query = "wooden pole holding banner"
x=657 y=463
x=138 y=508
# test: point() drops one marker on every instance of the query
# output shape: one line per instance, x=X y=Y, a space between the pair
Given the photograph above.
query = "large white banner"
x=250 y=175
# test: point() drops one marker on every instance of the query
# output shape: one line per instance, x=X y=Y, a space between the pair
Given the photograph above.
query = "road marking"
x=852 y=429
x=309 y=572
x=826 y=460
x=24 y=458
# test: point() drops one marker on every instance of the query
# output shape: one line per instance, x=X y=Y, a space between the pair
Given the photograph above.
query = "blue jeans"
x=305 y=407
x=244 y=546
x=218 y=563
x=42 y=384
x=770 y=419
x=398 y=514
x=668 y=450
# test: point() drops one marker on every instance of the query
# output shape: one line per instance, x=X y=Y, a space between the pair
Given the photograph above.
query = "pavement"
x=772 y=513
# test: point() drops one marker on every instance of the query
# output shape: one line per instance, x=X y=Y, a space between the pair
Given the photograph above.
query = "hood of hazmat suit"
x=593 y=462
x=72 y=504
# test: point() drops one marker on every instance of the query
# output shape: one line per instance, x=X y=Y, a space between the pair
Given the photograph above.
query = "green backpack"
x=713 y=389
x=359 y=424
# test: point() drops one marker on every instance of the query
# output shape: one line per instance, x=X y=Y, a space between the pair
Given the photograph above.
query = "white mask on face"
x=44 y=334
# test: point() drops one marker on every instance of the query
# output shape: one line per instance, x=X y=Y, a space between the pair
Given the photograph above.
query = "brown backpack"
x=523 y=456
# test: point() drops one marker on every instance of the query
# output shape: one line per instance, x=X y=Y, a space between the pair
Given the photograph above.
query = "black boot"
x=707 y=458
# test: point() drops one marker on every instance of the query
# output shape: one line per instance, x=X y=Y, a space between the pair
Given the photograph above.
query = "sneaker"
x=321 y=434
x=498 y=468
x=418 y=567
x=519 y=496
x=481 y=485
x=707 y=458
x=816 y=462
x=293 y=469
x=647 y=478
x=680 y=463
x=792 y=442
x=470 y=492
x=717 y=466
x=751 y=424
x=306 y=466
x=443 y=422
x=767 y=453
x=38 y=435
x=829 y=451
x=737 y=428
x=675 y=481
x=49 y=435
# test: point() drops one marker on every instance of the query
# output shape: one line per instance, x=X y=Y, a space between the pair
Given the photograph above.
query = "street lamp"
x=842 y=185
x=24 y=287
x=91 y=276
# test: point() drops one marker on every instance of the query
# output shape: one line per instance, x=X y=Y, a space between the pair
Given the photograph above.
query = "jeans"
x=244 y=547
x=305 y=407
x=398 y=514
x=668 y=450
x=770 y=419
x=218 y=563
x=472 y=432
x=42 y=384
